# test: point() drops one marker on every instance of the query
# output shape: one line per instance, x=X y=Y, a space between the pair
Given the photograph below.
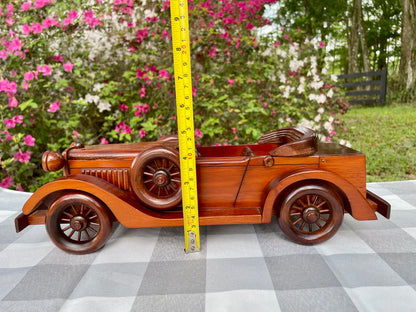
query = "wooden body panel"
x=126 y=210
x=219 y=180
x=236 y=150
x=361 y=209
x=114 y=151
x=236 y=184
x=259 y=176
x=345 y=162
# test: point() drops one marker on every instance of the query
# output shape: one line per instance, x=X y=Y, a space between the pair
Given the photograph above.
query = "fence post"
x=383 y=86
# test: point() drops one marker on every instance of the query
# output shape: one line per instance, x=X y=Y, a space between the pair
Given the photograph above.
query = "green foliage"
x=329 y=21
x=388 y=138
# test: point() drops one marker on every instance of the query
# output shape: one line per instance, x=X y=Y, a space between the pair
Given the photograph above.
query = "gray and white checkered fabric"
x=367 y=266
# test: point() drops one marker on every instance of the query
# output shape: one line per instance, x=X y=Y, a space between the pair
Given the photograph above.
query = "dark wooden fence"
x=365 y=88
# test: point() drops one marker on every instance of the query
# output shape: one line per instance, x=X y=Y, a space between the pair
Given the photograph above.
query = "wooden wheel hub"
x=161 y=178
x=311 y=215
x=156 y=178
x=79 y=223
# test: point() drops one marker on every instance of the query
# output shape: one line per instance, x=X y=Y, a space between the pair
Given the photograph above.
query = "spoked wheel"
x=78 y=223
x=311 y=214
x=156 y=178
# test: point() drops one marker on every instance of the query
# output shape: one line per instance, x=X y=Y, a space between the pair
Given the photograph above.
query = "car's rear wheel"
x=156 y=178
x=78 y=223
x=311 y=214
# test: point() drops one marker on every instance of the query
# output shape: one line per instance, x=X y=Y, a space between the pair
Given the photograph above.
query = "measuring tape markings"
x=184 y=106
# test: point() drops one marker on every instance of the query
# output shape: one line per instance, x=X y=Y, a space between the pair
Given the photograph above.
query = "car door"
x=219 y=180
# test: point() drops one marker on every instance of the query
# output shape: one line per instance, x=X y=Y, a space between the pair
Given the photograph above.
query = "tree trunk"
x=354 y=40
x=357 y=37
x=381 y=61
x=364 y=48
x=408 y=39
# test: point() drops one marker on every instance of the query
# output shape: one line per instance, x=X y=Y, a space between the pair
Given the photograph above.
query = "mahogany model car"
x=308 y=185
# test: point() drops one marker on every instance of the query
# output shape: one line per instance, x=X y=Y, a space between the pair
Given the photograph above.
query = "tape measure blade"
x=184 y=106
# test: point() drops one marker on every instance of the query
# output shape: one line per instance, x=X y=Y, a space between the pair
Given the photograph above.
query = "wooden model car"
x=308 y=185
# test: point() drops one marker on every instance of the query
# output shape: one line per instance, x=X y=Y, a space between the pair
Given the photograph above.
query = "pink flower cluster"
x=148 y=74
x=231 y=12
x=12 y=102
x=123 y=107
x=29 y=76
x=41 y=3
x=224 y=15
x=45 y=70
x=54 y=107
x=49 y=22
x=29 y=140
x=141 y=109
x=8 y=87
x=121 y=127
x=68 y=67
x=9 y=20
x=164 y=74
x=69 y=20
x=142 y=92
x=36 y=28
x=14 y=46
x=25 y=6
x=90 y=19
x=8 y=138
x=124 y=6
x=198 y=133
x=141 y=34
x=11 y=123
x=6 y=182
x=22 y=157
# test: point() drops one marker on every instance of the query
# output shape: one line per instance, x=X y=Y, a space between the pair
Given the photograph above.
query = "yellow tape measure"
x=185 y=118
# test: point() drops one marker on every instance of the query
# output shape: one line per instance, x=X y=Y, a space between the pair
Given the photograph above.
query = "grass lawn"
x=387 y=135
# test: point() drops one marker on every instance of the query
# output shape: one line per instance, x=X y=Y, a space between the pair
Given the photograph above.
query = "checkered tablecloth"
x=367 y=266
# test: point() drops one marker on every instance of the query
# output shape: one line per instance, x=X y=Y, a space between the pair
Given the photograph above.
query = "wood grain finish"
x=345 y=162
x=118 y=177
x=219 y=180
x=292 y=141
x=52 y=161
x=286 y=174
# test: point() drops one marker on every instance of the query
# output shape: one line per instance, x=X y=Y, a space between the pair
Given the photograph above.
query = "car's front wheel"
x=78 y=223
x=311 y=214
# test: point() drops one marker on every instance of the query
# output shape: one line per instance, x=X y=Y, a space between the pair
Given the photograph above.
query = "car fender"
x=125 y=209
x=360 y=208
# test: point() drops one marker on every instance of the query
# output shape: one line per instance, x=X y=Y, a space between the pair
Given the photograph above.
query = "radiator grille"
x=118 y=177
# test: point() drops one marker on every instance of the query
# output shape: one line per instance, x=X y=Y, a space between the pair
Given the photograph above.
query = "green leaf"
x=28 y=104
x=149 y=125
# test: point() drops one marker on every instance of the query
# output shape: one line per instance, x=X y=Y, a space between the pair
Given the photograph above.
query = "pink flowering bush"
x=101 y=72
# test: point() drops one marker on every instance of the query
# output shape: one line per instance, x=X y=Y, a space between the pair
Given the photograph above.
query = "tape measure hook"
x=192 y=247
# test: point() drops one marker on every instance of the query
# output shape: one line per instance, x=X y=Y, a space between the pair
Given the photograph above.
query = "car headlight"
x=52 y=161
